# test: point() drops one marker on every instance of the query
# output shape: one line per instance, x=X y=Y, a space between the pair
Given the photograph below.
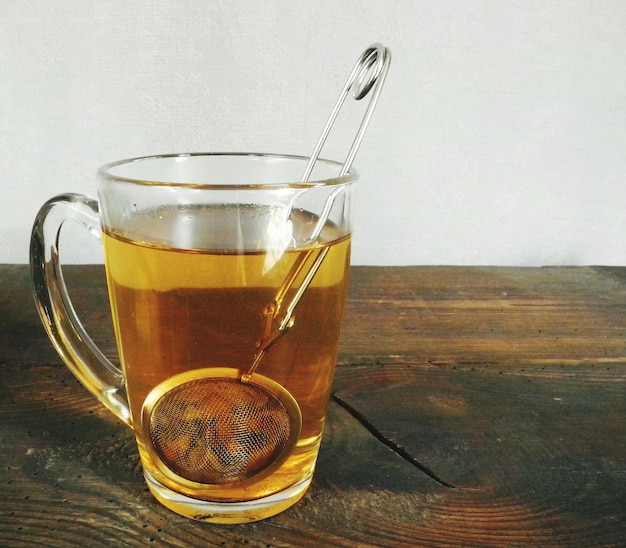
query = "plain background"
x=500 y=136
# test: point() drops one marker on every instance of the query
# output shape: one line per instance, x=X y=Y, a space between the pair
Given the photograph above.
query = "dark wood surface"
x=471 y=407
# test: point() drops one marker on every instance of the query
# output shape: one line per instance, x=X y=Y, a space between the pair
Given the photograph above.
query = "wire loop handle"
x=369 y=72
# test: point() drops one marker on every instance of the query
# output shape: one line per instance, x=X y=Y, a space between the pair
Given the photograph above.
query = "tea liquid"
x=182 y=308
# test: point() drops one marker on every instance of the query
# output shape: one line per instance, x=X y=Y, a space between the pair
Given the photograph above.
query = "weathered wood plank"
x=523 y=474
x=506 y=383
x=465 y=316
x=537 y=453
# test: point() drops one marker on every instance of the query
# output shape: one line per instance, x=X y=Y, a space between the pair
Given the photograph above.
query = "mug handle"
x=81 y=355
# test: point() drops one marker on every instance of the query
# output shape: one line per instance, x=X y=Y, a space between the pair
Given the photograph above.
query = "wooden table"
x=471 y=407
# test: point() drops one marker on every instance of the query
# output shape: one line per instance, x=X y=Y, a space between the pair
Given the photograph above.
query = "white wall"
x=500 y=137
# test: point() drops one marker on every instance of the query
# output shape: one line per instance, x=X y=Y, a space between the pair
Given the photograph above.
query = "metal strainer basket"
x=208 y=427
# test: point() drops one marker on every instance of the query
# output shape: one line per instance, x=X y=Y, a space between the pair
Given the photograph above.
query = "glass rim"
x=105 y=174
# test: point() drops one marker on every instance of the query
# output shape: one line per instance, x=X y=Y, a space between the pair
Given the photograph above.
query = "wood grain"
x=506 y=316
x=471 y=407
x=528 y=455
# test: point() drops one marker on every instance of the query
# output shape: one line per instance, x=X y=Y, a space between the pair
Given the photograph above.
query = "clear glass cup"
x=227 y=279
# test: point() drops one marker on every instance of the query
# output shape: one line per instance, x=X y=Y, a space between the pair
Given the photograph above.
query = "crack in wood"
x=396 y=448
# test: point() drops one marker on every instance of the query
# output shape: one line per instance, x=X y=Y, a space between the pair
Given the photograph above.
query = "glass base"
x=227 y=512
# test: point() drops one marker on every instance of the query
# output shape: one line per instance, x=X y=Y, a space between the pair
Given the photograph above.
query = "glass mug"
x=227 y=279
